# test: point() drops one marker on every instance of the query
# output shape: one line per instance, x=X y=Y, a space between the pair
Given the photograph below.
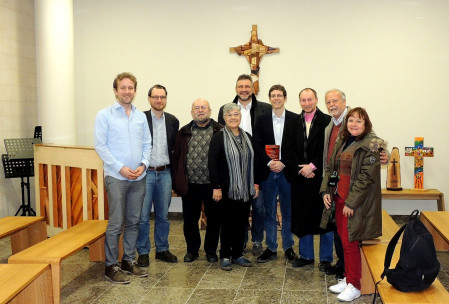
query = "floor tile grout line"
x=283 y=281
x=157 y=281
x=240 y=285
x=194 y=289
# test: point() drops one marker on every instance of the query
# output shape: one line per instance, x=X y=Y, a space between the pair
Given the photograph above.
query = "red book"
x=272 y=151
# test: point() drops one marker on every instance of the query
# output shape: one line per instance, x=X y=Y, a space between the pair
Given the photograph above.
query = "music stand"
x=19 y=162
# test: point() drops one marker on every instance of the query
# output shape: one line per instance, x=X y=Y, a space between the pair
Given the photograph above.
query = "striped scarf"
x=240 y=159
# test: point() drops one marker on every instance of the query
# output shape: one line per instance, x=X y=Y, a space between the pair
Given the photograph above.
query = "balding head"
x=201 y=112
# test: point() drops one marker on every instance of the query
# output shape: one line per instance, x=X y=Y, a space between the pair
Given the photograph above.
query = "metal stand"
x=19 y=162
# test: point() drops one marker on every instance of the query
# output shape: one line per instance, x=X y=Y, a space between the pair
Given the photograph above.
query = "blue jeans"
x=306 y=250
x=125 y=202
x=258 y=218
x=158 y=186
x=277 y=184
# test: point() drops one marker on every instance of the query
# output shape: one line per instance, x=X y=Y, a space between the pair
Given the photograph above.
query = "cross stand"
x=19 y=162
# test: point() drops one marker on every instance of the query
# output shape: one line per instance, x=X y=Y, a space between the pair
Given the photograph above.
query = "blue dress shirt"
x=121 y=140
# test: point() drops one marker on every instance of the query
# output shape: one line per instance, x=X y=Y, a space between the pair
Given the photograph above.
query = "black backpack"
x=418 y=265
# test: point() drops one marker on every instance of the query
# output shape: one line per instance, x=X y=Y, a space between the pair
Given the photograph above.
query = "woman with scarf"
x=231 y=171
x=351 y=187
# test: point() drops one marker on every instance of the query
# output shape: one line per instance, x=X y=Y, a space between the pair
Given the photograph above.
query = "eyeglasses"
x=159 y=97
x=277 y=96
x=200 y=107
x=229 y=115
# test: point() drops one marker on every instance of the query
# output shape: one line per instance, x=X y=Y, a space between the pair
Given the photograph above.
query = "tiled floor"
x=201 y=282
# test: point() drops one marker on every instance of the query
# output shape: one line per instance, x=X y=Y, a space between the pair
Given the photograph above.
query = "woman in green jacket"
x=352 y=183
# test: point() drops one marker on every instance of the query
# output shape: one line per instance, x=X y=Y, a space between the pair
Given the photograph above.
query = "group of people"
x=323 y=170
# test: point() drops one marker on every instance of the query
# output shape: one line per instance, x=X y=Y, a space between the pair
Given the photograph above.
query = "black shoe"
x=131 y=267
x=143 y=260
x=324 y=265
x=115 y=275
x=266 y=256
x=290 y=255
x=166 y=256
x=190 y=257
x=340 y=275
x=334 y=270
x=302 y=262
x=211 y=257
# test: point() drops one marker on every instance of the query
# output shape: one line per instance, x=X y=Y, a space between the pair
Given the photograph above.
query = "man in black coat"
x=163 y=128
x=268 y=134
x=302 y=153
x=251 y=110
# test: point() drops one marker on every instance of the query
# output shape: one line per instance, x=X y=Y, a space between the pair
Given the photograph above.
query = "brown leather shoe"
x=131 y=267
x=115 y=275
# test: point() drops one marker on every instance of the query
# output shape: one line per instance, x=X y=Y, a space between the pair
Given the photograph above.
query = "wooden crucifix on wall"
x=419 y=152
x=253 y=51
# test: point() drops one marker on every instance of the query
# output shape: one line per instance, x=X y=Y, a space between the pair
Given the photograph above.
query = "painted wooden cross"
x=419 y=152
x=253 y=51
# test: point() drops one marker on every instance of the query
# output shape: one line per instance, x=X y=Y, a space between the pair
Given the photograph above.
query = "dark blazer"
x=257 y=108
x=307 y=204
x=263 y=134
x=171 y=126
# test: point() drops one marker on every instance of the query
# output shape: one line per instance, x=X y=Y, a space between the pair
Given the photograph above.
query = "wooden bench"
x=24 y=231
x=373 y=257
x=437 y=222
x=29 y=284
x=53 y=250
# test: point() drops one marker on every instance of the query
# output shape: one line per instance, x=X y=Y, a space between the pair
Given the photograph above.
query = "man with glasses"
x=163 y=127
x=268 y=133
x=250 y=109
x=191 y=181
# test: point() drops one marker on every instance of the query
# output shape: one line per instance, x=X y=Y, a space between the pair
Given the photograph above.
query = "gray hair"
x=343 y=95
x=230 y=107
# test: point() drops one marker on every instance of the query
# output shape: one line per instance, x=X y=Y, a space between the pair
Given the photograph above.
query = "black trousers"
x=191 y=210
x=234 y=222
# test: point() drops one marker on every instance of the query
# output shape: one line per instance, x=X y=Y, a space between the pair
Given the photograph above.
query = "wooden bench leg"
x=367 y=281
x=97 y=253
x=29 y=236
x=96 y=250
x=56 y=281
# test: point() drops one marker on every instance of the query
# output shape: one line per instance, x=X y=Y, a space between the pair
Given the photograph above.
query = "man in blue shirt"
x=123 y=142
x=163 y=127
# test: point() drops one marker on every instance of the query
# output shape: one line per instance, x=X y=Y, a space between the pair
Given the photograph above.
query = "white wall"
x=18 y=101
x=391 y=57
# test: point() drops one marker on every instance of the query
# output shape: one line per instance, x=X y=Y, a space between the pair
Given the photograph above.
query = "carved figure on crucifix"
x=253 y=51
x=419 y=152
x=394 y=171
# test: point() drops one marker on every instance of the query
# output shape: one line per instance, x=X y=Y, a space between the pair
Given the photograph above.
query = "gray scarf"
x=240 y=159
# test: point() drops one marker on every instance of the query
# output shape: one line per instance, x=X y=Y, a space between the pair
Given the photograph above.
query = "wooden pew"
x=25 y=283
x=437 y=222
x=24 y=231
x=53 y=250
x=373 y=257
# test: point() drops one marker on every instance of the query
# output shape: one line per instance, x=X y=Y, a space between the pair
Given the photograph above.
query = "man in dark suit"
x=302 y=153
x=163 y=128
x=268 y=132
x=251 y=109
